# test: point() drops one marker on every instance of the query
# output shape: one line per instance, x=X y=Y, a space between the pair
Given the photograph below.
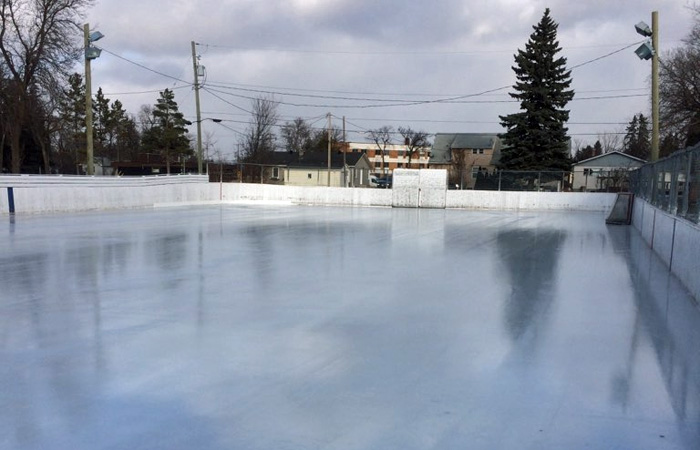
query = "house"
x=465 y=156
x=396 y=156
x=607 y=172
x=311 y=169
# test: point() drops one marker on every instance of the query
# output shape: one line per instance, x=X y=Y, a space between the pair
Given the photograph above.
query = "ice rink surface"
x=232 y=327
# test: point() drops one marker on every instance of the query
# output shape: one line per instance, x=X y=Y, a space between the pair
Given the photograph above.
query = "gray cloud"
x=397 y=47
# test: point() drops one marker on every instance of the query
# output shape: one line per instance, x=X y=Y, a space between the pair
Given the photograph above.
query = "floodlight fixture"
x=92 y=52
x=645 y=51
x=643 y=29
x=96 y=36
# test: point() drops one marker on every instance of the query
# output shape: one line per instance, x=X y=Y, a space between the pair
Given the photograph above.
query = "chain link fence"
x=538 y=181
x=671 y=184
x=227 y=172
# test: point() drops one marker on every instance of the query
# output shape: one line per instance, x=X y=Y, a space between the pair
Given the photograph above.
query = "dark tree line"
x=38 y=46
x=42 y=103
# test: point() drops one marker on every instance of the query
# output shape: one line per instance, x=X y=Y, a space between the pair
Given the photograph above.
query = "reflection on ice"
x=296 y=327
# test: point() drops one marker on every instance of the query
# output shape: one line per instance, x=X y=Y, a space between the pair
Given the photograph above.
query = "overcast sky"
x=368 y=59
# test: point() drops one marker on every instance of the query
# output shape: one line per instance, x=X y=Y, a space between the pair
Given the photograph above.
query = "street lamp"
x=650 y=50
x=199 y=138
x=90 y=54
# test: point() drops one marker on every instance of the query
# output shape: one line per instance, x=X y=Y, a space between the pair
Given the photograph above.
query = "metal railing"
x=671 y=184
x=538 y=181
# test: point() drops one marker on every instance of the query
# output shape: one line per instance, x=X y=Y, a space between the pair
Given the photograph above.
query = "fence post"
x=500 y=172
x=686 y=186
x=11 y=199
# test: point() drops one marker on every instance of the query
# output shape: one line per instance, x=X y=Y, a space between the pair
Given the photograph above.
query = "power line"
x=451 y=100
x=325 y=97
x=152 y=91
x=606 y=55
x=379 y=52
x=370 y=119
x=226 y=101
x=144 y=67
x=279 y=90
x=402 y=102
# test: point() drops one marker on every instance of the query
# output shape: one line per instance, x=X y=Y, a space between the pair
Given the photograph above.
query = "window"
x=275 y=173
x=309 y=176
x=475 y=171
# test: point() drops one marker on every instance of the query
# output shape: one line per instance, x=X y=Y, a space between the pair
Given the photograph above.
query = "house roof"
x=444 y=142
x=611 y=159
x=315 y=159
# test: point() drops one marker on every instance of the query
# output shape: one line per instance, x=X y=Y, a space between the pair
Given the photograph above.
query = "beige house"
x=312 y=169
x=465 y=156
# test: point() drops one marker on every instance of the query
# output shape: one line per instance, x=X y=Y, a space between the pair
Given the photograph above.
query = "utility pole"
x=646 y=52
x=345 y=150
x=195 y=67
x=88 y=105
x=329 y=149
x=655 y=86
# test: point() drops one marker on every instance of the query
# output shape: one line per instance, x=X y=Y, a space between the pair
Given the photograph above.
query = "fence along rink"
x=672 y=184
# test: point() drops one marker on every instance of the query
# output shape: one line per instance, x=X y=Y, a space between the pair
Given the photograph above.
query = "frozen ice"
x=298 y=327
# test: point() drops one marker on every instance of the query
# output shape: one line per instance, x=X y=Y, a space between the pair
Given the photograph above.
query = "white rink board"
x=414 y=188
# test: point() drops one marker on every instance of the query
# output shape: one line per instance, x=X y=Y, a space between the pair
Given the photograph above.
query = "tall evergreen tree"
x=597 y=148
x=101 y=122
x=71 y=136
x=168 y=136
x=122 y=136
x=535 y=137
x=637 y=141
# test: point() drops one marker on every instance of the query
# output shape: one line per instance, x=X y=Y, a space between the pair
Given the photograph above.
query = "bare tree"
x=259 y=140
x=679 y=93
x=209 y=145
x=38 y=45
x=381 y=138
x=679 y=88
x=145 y=118
x=319 y=140
x=297 y=136
x=611 y=142
x=415 y=142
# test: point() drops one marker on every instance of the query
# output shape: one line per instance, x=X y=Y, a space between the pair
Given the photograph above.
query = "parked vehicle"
x=384 y=182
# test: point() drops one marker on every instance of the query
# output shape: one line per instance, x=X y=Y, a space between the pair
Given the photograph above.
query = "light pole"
x=198 y=71
x=199 y=138
x=651 y=51
x=90 y=54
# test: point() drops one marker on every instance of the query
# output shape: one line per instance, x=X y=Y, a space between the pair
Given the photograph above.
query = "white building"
x=606 y=172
